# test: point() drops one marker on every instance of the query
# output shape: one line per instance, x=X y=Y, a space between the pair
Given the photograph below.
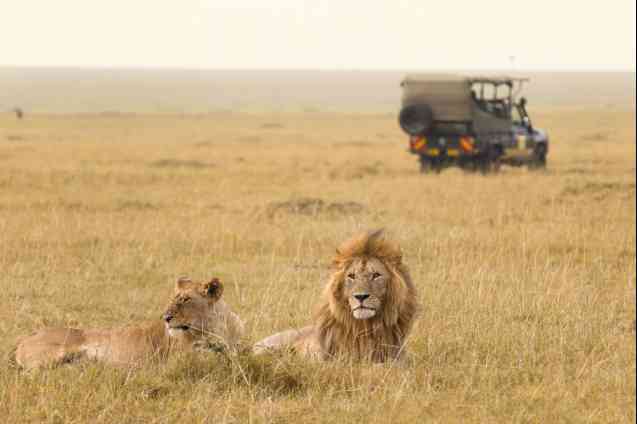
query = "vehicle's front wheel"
x=538 y=161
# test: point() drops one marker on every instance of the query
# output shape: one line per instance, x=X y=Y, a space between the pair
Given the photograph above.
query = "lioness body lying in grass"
x=195 y=314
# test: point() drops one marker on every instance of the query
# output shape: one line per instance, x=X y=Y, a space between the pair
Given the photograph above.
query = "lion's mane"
x=380 y=338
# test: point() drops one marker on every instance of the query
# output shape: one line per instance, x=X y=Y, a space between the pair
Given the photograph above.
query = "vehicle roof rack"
x=498 y=80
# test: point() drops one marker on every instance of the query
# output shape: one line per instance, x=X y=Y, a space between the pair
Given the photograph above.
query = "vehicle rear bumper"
x=450 y=147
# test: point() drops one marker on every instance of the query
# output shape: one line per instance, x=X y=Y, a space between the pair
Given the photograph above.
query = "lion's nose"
x=168 y=317
x=361 y=297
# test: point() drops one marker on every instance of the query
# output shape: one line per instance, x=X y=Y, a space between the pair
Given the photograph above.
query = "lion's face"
x=365 y=287
x=188 y=314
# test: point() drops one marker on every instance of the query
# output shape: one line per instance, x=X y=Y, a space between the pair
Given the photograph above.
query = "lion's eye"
x=351 y=276
x=375 y=275
x=186 y=300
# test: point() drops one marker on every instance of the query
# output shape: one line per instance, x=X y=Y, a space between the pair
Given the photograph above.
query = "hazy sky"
x=328 y=34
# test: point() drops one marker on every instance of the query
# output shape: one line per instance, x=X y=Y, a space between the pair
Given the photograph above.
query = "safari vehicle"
x=476 y=123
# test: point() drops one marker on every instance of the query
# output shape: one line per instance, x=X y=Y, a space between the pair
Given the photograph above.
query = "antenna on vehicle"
x=512 y=62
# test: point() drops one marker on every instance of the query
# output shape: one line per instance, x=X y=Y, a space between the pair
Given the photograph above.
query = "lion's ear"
x=213 y=289
x=396 y=256
x=183 y=283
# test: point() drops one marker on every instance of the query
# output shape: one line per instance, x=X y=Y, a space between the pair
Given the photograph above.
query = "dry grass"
x=527 y=279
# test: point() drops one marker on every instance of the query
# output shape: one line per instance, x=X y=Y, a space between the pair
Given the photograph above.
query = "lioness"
x=195 y=313
x=367 y=307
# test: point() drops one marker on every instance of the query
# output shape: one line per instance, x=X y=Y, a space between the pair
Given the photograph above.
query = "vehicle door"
x=523 y=140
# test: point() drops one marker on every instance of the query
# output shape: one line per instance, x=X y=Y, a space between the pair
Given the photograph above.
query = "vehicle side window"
x=489 y=99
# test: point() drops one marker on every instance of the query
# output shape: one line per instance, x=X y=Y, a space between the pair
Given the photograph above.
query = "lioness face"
x=189 y=312
x=365 y=287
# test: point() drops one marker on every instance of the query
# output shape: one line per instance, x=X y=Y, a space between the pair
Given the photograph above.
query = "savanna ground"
x=527 y=279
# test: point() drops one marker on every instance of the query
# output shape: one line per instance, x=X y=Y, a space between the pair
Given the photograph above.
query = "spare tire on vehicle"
x=416 y=119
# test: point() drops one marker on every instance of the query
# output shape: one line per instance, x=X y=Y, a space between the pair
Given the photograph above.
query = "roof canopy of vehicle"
x=423 y=78
x=448 y=95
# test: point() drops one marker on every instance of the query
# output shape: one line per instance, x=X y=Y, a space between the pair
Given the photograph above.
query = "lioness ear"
x=376 y=234
x=213 y=289
x=183 y=283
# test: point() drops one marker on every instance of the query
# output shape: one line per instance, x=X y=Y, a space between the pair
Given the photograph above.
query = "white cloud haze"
x=328 y=34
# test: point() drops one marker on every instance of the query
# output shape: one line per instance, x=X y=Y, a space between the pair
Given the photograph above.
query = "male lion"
x=367 y=307
x=195 y=313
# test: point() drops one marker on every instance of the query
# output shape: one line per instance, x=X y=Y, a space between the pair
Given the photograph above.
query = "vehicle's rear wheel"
x=490 y=161
x=538 y=161
x=429 y=165
x=496 y=164
x=469 y=165
x=485 y=166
